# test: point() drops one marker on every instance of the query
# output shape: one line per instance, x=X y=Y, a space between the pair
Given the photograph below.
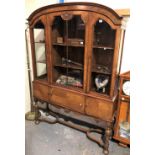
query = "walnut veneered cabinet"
x=122 y=124
x=76 y=53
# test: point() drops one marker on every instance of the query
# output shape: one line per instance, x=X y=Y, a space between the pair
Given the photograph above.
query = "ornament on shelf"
x=101 y=82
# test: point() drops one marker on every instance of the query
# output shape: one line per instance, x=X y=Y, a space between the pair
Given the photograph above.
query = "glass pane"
x=124 y=129
x=124 y=120
x=76 y=28
x=102 y=57
x=68 y=51
x=104 y=35
x=40 y=55
x=58 y=30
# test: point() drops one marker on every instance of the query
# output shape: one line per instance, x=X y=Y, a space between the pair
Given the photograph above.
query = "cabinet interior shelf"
x=40 y=42
x=42 y=77
x=93 y=92
x=64 y=44
x=103 y=47
x=95 y=46
x=41 y=61
x=101 y=72
x=102 y=69
x=80 y=68
x=69 y=66
x=68 y=87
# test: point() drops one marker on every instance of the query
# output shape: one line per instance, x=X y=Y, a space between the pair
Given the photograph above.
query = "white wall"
x=115 y=4
x=27 y=92
x=30 y=6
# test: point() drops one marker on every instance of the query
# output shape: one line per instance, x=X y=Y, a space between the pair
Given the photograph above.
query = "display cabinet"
x=76 y=55
x=122 y=125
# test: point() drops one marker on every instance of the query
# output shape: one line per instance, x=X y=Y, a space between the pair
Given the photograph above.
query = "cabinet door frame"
x=93 y=17
x=50 y=19
x=43 y=20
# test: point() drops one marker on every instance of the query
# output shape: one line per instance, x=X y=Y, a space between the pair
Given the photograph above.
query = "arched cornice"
x=77 y=6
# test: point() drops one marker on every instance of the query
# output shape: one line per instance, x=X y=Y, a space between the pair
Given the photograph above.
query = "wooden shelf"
x=103 y=47
x=101 y=72
x=41 y=61
x=42 y=77
x=69 y=66
x=95 y=93
x=64 y=44
x=39 y=42
x=80 y=89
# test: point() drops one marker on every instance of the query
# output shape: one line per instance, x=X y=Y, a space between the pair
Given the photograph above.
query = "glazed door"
x=101 y=55
x=39 y=49
x=68 y=49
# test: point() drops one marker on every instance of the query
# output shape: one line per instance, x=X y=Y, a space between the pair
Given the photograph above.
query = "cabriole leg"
x=37 y=113
x=47 y=109
x=107 y=137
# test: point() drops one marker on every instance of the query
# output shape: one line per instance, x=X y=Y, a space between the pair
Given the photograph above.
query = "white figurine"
x=101 y=82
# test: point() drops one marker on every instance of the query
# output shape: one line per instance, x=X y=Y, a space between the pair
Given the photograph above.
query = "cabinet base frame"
x=105 y=133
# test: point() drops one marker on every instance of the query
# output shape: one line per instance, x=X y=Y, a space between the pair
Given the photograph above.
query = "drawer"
x=69 y=100
x=99 y=108
x=40 y=91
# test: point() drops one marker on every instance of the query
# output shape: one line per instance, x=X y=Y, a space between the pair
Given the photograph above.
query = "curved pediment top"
x=83 y=6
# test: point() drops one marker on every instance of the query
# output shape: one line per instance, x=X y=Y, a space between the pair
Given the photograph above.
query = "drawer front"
x=67 y=99
x=40 y=91
x=99 y=108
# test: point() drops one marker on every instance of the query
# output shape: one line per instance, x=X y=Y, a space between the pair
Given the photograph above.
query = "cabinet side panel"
x=40 y=91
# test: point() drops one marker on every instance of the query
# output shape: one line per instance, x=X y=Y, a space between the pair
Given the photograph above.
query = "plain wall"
x=30 y=6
